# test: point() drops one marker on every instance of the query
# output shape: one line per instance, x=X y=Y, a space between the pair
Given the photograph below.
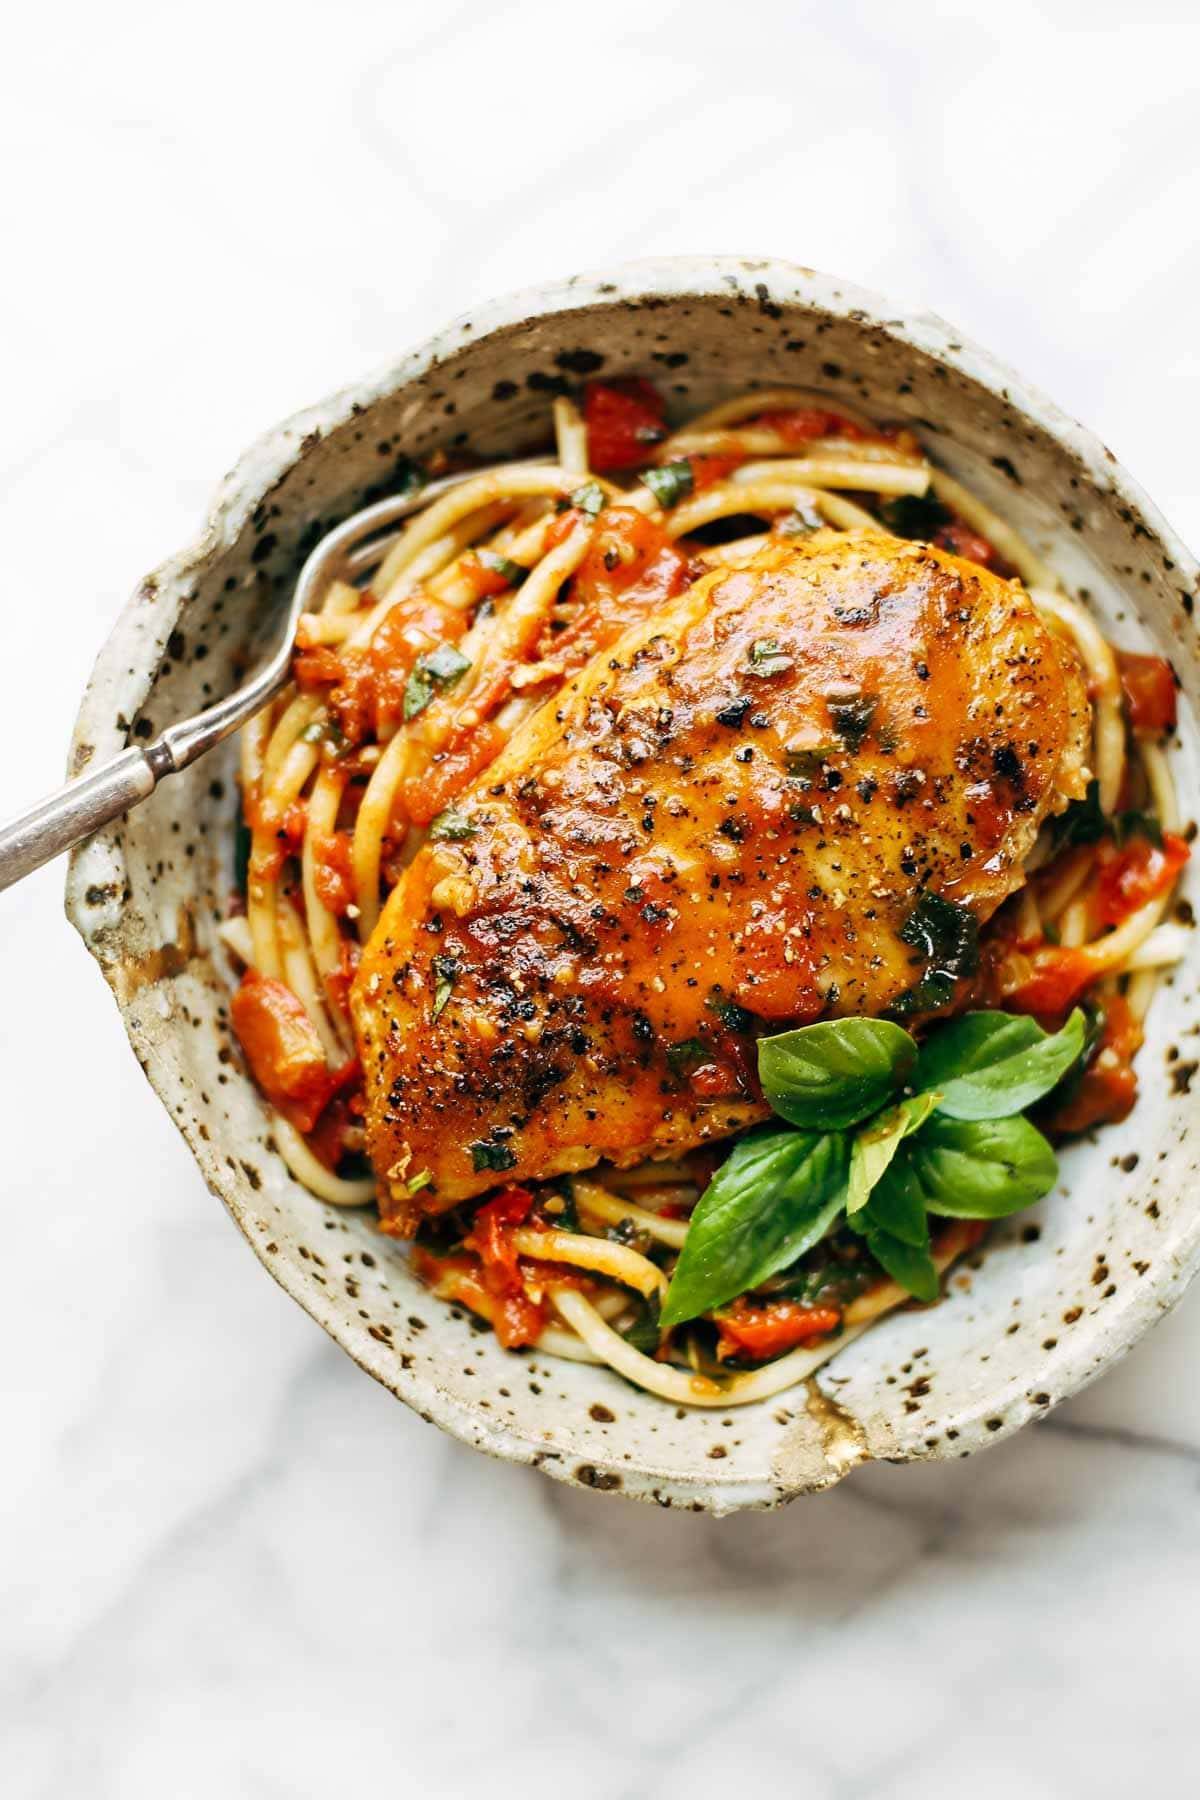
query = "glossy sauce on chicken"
x=723 y=823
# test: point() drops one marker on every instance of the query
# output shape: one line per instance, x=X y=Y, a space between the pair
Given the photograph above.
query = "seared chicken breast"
x=727 y=822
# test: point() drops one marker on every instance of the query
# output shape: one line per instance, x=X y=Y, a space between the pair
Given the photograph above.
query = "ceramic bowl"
x=1058 y=1292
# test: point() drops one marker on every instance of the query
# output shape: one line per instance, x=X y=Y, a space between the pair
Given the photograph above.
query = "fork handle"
x=75 y=811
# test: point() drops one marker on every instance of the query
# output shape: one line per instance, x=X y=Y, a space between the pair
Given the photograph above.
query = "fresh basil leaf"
x=896 y=1206
x=671 y=483
x=913 y=1268
x=777 y=1194
x=876 y=1144
x=981 y=1168
x=990 y=1065
x=834 y=1074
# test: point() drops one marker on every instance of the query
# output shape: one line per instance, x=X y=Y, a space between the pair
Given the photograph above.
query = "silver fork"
x=82 y=806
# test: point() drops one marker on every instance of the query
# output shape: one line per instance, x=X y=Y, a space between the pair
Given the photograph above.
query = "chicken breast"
x=772 y=802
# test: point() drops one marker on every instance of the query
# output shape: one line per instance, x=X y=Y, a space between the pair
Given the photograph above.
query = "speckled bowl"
x=1058 y=1293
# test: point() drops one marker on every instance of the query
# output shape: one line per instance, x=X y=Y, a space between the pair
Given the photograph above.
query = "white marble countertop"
x=231 y=1565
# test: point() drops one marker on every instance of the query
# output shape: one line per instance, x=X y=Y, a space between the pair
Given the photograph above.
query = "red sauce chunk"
x=758 y=1329
x=800 y=425
x=631 y=568
x=334 y=877
x=516 y=1318
x=1148 y=687
x=1137 y=873
x=624 y=421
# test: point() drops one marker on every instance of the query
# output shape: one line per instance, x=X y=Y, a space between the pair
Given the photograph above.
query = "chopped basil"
x=1082 y=822
x=446 y=971
x=671 y=483
x=914 y=515
x=685 y=1056
x=513 y=573
x=766 y=658
x=487 y=1154
x=1085 y=822
x=733 y=1017
x=947 y=936
x=589 y=498
x=452 y=827
x=441 y=668
x=852 y=718
x=643 y=1331
x=806 y=762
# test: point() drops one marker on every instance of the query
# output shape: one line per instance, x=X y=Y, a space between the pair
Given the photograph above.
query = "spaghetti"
x=412 y=677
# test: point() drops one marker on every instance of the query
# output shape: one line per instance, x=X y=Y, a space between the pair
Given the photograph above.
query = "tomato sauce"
x=423 y=796
x=630 y=569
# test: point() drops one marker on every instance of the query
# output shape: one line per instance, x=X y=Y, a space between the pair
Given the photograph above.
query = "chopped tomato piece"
x=424 y=795
x=800 y=425
x=1046 y=983
x=762 y=1329
x=708 y=470
x=624 y=421
x=1148 y=686
x=1108 y=1087
x=327 y=1138
x=630 y=569
x=1137 y=873
x=317 y=666
x=334 y=873
x=284 y=1051
x=714 y=1081
x=482 y=581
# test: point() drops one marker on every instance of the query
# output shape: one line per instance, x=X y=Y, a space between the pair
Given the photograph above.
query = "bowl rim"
x=126 y=666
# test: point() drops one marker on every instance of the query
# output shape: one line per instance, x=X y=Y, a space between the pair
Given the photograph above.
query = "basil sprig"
x=886 y=1133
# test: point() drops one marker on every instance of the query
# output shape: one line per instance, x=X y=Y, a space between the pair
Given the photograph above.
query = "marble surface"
x=230 y=1564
